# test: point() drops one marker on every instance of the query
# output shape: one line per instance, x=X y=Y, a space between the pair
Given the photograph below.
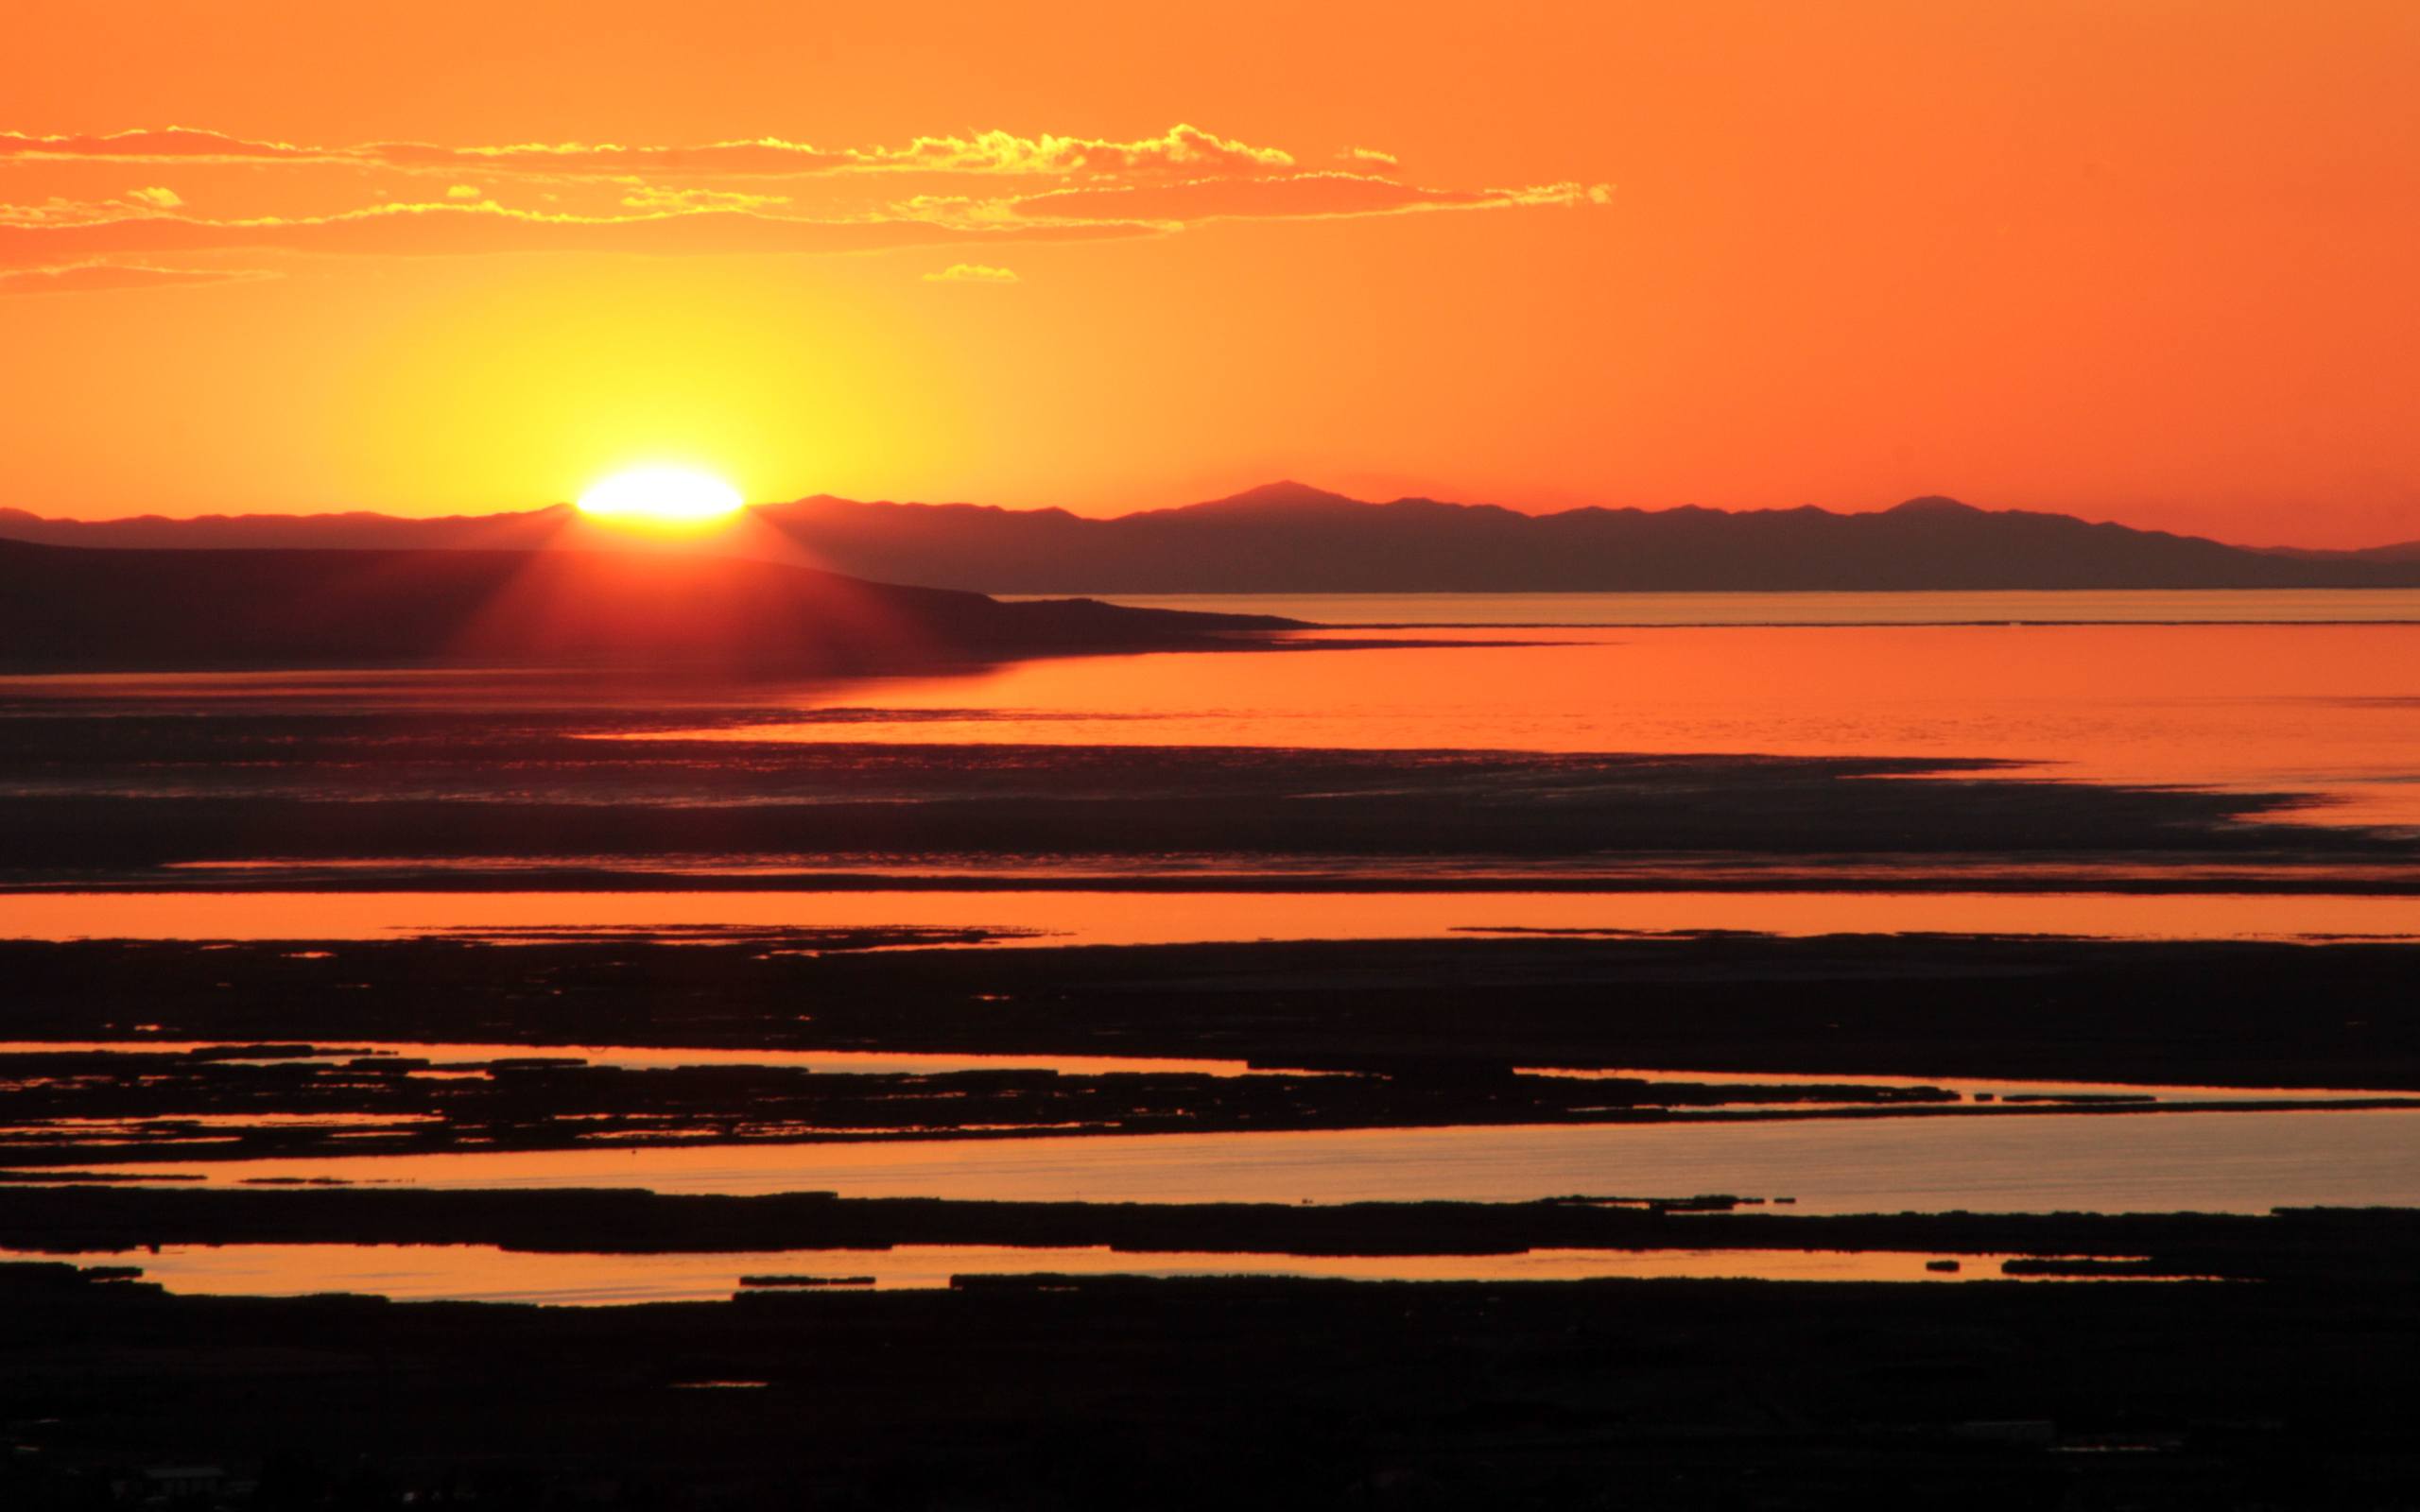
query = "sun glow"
x=662 y=495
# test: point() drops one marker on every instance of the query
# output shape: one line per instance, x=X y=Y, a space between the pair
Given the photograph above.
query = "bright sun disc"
x=662 y=495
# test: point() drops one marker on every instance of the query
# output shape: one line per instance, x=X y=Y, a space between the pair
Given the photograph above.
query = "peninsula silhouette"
x=153 y=610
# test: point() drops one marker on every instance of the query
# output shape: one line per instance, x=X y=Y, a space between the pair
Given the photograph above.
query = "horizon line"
x=1274 y=487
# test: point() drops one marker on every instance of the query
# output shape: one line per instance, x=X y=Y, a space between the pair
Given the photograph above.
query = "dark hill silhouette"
x=1289 y=537
x=352 y=530
x=64 y=608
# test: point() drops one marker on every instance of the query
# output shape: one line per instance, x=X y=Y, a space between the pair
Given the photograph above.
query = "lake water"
x=2328 y=709
x=481 y=1273
x=2319 y=700
x=2139 y=605
x=2246 y=1162
x=1109 y=917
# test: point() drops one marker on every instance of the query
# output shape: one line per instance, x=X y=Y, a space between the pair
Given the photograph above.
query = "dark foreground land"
x=1058 y=1394
x=2226 y=1362
x=1350 y=1035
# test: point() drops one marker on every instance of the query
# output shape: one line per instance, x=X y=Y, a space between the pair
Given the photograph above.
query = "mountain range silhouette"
x=1288 y=537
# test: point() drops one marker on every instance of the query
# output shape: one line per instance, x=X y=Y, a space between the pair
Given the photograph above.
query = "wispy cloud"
x=986 y=189
x=1325 y=194
x=973 y=274
x=653 y=197
x=174 y=144
x=61 y=210
x=1182 y=148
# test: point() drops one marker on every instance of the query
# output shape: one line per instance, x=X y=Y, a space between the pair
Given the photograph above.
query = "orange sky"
x=2134 y=259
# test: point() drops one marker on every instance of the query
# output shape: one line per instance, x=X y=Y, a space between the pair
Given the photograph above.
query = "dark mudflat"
x=126 y=792
x=2342 y=1245
x=1063 y=1393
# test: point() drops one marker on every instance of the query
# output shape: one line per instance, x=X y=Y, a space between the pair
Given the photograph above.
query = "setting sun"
x=662 y=495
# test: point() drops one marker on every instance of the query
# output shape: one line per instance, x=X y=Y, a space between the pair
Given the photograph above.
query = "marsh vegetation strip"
x=72 y=1107
x=449 y=1055
x=444 y=1058
x=2001 y=1089
x=1433 y=1015
x=2243 y=1162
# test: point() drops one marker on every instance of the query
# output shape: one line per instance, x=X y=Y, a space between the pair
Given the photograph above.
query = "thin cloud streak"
x=1318 y=196
x=973 y=274
x=1182 y=148
x=658 y=200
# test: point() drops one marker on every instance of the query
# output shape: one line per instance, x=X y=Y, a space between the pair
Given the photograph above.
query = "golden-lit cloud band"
x=973 y=274
x=1182 y=150
x=762 y=197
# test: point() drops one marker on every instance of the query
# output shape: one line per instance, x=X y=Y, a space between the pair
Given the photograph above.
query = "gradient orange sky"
x=2135 y=260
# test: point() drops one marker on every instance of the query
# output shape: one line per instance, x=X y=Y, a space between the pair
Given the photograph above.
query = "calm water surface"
x=2321 y=698
x=2246 y=1162
x=1127 y=918
x=2328 y=710
x=481 y=1273
x=2160 y=606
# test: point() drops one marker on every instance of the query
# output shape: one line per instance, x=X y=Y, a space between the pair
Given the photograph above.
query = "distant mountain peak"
x=1934 y=504
x=1283 y=493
